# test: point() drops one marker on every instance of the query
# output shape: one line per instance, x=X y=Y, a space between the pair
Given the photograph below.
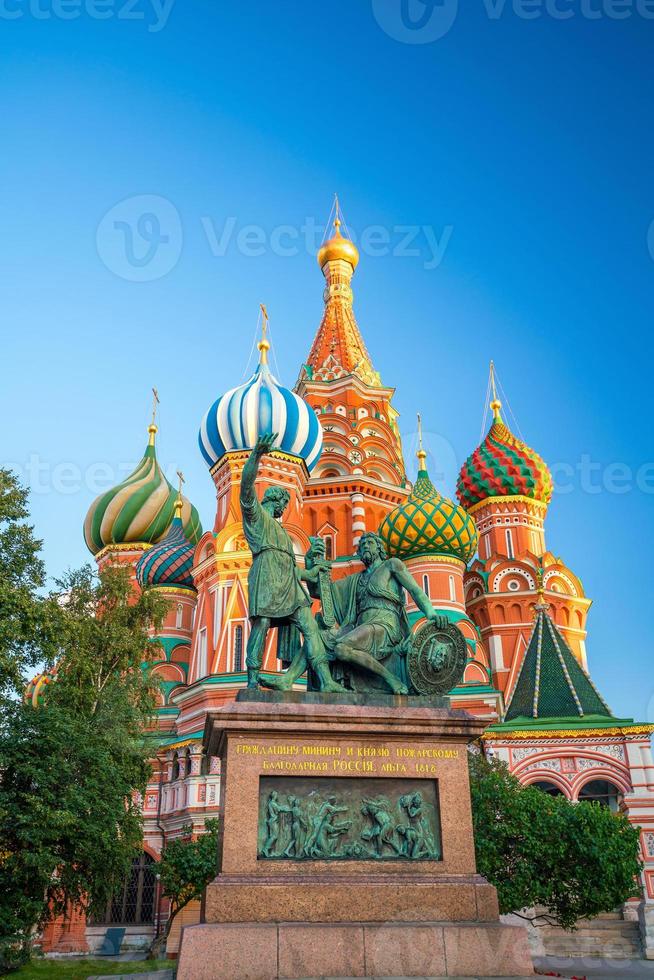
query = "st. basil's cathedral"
x=483 y=561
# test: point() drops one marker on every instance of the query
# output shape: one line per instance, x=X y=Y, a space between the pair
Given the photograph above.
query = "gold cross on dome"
x=155 y=402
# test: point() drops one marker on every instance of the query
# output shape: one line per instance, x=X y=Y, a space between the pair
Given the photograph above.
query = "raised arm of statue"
x=248 y=495
x=421 y=599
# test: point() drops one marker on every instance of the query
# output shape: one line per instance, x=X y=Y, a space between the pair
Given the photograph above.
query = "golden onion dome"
x=338 y=247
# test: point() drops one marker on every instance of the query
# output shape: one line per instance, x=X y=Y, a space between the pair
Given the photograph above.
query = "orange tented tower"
x=360 y=476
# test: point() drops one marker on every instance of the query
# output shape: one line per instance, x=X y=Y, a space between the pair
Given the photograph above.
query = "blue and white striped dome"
x=261 y=405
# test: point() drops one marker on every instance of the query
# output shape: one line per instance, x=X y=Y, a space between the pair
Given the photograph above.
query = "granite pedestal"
x=403 y=901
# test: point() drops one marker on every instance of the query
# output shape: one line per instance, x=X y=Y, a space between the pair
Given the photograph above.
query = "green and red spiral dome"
x=503 y=466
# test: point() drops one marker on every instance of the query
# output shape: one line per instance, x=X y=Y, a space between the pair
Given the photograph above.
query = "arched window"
x=180 y=613
x=238 y=648
x=509 y=544
x=601 y=791
x=425 y=584
x=133 y=903
x=546 y=787
x=329 y=547
x=452 y=588
x=187 y=763
x=204 y=764
x=175 y=772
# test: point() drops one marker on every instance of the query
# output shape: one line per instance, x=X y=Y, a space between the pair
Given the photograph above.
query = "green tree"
x=27 y=620
x=576 y=860
x=70 y=769
x=185 y=869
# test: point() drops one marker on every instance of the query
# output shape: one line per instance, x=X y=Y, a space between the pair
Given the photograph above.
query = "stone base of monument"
x=346 y=847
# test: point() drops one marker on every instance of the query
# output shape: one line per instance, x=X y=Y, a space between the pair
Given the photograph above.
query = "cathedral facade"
x=482 y=559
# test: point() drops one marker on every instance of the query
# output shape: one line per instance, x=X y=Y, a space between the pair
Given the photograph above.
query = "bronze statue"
x=370 y=608
x=276 y=597
x=362 y=632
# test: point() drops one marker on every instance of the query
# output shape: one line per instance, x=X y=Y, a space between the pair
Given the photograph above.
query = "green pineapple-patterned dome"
x=140 y=509
x=427 y=523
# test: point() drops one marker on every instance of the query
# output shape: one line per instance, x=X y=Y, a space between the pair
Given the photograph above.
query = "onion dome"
x=140 y=509
x=261 y=405
x=338 y=247
x=428 y=523
x=170 y=561
x=503 y=466
x=35 y=690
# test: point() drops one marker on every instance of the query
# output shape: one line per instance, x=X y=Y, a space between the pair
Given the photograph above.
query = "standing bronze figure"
x=276 y=596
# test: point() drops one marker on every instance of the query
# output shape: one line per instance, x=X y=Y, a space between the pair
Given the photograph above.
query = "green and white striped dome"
x=140 y=509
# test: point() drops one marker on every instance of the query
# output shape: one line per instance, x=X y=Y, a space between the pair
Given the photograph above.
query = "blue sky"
x=519 y=151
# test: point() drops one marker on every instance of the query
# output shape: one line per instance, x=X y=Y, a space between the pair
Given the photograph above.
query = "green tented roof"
x=551 y=683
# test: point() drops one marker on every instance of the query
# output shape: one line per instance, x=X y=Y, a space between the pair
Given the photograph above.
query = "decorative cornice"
x=509 y=498
x=180 y=745
x=132 y=546
x=525 y=735
x=236 y=455
x=187 y=591
x=436 y=559
x=356 y=483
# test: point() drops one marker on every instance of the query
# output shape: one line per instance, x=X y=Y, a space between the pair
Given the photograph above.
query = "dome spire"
x=264 y=344
x=427 y=523
x=338 y=248
x=421 y=454
x=179 y=503
x=141 y=508
x=152 y=428
x=338 y=348
x=502 y=465
x=495 y=404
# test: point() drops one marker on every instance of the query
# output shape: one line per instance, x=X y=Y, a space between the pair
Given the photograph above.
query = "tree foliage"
x=576 y=860
x=27 y=619
x=71 y=768
x=186 y=868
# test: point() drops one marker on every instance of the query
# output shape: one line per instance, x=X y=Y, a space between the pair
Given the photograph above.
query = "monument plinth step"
x=291 y=951
x=379 y=700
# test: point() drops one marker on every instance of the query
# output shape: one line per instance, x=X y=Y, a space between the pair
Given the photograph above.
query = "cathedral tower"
x=507 y=487
x=360 y=476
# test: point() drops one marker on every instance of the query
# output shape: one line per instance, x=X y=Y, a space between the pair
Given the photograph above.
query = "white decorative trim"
x=555 y=573
x=513 y=570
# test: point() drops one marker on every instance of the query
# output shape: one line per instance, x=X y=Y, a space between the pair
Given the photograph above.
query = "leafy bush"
x=575 y=859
